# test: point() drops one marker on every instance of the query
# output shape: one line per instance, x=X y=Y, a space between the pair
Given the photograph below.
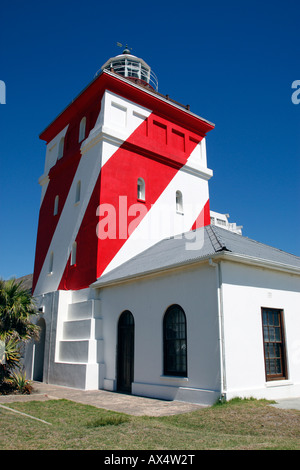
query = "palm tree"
x=16 y=311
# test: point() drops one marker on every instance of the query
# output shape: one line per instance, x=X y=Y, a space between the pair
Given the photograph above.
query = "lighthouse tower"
x=125 y=167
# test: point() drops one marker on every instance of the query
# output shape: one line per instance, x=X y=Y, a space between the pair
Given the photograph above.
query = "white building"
x=137 y=291
x=221 y=220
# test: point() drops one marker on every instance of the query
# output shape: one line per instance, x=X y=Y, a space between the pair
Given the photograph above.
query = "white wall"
x=245 y=291
x=195 y=292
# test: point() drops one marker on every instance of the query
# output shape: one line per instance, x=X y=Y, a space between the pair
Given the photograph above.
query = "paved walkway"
x=130 y=404
x=288 y=403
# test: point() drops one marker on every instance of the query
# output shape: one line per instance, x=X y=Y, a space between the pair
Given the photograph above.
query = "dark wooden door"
x=39 y=353
x=125 y=352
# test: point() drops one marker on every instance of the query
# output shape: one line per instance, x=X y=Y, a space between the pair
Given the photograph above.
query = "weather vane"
x=127 y=49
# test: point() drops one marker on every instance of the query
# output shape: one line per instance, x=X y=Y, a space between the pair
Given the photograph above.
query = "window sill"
x=174 y=378
x=278 y=383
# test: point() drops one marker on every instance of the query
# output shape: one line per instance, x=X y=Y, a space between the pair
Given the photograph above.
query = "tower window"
x=141 y=189
x=179 y=202
x=73 y=254
x=56 y=201
x=61 y=148
x=51 y=259
x=78 y=191
x=82 y=127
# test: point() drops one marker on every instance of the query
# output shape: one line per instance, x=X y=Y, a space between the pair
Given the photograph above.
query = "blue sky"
x=234 y=62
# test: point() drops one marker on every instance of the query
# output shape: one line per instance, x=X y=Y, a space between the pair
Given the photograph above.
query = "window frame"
x=73 y=254
x=141 y=189
x=179 y=202
x=78 y=192
x=283 y=374
x=180 y=360
x=82 y=129
x=56 y=204
x=51 y=263
x=61 y=148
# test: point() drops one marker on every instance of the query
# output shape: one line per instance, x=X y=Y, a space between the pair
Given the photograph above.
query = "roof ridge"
x=215 y=240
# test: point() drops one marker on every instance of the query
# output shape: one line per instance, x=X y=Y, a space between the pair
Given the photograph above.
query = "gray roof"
x=191 y=247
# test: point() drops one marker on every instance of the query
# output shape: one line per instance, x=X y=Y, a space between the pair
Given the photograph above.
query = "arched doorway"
x=39 y=352
x=125 y=354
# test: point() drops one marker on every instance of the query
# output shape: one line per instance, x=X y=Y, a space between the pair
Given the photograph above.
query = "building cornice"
x=111 y=81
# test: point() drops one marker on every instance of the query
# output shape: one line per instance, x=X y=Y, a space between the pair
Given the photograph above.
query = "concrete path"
x=130 y=404
x=288 y=403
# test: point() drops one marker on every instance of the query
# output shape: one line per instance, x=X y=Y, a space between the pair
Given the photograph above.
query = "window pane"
x=119 y=67
x=277 y=335
x=271 y=334
x=265 y=318
x=273 y=344
x=266 y=333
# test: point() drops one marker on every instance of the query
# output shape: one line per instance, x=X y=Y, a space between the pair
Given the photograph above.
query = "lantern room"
x=132 y=67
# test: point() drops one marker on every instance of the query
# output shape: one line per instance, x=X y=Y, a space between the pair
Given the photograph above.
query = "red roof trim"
x=136 y=93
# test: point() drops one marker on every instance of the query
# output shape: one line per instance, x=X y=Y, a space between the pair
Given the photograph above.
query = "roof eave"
x=218 y=256
x=151 y=272
x=260 y=262
x=101 y=81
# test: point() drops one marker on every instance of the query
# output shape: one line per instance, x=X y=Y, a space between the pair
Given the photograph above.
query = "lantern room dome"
x=133 y=68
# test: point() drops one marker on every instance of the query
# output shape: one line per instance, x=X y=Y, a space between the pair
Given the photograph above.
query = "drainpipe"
x=50 y=336
x=221 y=328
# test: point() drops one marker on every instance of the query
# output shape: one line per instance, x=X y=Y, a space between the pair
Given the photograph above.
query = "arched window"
x=141 y=189
x=78 y=190
x=51 y=259
x=56 y=201
x=179 y=202
x=73 y=254
x=175 y=343
x=61 y=148
x=82 y=129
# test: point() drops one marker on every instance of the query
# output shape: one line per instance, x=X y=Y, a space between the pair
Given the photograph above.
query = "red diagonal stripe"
x=143 y=155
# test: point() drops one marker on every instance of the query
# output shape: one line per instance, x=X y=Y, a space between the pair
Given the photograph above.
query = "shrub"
x=19 y=383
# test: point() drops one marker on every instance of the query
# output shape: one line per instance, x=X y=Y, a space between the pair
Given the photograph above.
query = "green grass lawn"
x=239 y=424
